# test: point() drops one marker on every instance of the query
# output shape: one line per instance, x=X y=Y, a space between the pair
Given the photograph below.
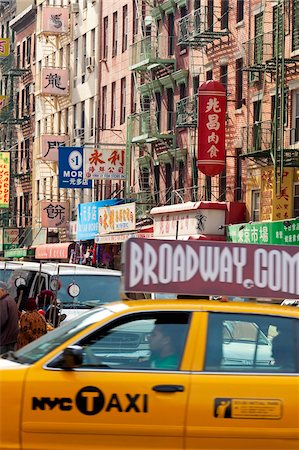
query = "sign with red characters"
x=211 y=128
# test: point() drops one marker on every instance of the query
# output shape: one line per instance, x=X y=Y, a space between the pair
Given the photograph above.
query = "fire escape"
x=269 y=139
x=10 y=117
x=151 y=135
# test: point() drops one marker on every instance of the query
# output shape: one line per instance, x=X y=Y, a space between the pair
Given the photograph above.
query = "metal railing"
x=260 y=51
x=150 y=50
x=186 y=112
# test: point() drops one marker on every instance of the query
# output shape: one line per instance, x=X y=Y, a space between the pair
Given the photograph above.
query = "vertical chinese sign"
x=211 y=128
x=55 y=81
x=104 y=163
x=4 y=47
x=55 y=20
x=54 y=214
x=276 y=207
x=4 y=179
x=49 y=146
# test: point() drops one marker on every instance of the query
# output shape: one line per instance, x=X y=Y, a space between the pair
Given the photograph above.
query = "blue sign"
x=88 y=218
x=70 y=168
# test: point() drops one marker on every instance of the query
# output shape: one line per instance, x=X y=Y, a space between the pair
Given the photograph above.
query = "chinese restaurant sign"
x=211 y=127
x=211 y=268
x=54 y=214
x=276 y=207
x=117 y=218
x=4 y=179
x=282 y=232
x=55 y=81
x=104 y=163
x=50 y=144
x=4 y=47
x=55 y=20
x=11 y=238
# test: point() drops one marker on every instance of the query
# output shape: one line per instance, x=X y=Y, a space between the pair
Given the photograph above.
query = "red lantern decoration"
x=211 y=128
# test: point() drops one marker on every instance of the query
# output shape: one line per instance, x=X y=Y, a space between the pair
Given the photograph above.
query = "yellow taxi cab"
x=163 y=374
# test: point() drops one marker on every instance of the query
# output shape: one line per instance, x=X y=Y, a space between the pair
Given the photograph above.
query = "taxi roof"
x=205 y=305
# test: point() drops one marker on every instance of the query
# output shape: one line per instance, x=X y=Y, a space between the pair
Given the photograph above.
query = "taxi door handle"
x=168 y=388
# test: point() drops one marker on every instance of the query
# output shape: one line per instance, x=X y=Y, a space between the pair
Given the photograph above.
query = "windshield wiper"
x=10 y=355
x=77 y=305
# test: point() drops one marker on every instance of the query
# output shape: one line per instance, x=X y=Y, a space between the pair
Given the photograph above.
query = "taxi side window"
x=151 y=341
x=251 y=343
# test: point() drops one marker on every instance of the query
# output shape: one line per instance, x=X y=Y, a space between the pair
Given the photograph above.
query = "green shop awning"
x=281 y=232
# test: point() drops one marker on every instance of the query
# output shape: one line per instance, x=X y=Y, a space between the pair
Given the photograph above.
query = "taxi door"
x=106 y=408
x=233 y=405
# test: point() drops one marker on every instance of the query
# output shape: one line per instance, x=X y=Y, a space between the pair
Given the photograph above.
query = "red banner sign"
x=211 y=128
x=211 y=268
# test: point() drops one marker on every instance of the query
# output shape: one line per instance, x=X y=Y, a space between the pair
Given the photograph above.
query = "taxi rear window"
x=251 y=343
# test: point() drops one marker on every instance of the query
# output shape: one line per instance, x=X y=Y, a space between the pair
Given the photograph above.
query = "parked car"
x=92 y=382
x=93 y=286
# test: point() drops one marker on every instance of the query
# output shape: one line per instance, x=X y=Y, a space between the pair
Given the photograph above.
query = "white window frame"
x=296 y=195
x=255 y=194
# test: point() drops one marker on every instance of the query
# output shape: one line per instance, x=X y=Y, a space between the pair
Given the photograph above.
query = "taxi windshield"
x=53 y=339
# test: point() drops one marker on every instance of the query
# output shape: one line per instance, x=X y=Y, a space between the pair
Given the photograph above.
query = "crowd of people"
x=24 y=319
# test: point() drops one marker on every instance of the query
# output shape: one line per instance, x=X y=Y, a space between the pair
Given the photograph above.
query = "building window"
x=183 y=13
x=75 y=117
x=83 y=57
x=210 y=15
x=296 y=200
x=295 y=28
x=170 y=34
x=91 y=113
x=105 y=43
x=133 y=95
x=224 y=14
x=157 y=184
x=125 y=28
x=170 y=108
x=182 y=91
x=158 y=109
x=168 y=183
x=195 y=84
x=29 y=50
x=277 y=30
x=258 y=38
x=240 y=10
x=104 y=107
x=238 y=186
x=181 y=177
x=222 y=186
x=135 y=18
x=223 y=75
x=23 y=54
x=18 y=57
x=209 y=75
x=255 y=205
x=113 y=104
x=76 y=58
x=295 y=137
x=82 y=120
x=144 y=179
x=208 y=188
x=114 y=35
x=239 y=83
x=257 y=126
x=123 y=98
x=93 y=43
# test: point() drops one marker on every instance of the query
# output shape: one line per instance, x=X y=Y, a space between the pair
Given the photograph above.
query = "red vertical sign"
x=211 y=128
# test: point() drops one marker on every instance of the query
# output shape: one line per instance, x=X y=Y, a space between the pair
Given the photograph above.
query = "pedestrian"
x=32 y=324
x=22 y=297
x=8 y=320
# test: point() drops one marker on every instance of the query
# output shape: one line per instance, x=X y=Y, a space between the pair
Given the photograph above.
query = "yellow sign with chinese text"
x=4 y=179
x=276 y=207
x=117 y=218
x=4 y=47
x=3 y=101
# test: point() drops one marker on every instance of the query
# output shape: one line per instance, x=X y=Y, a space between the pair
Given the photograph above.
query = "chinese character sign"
x=4 y=179
x=276 y=207
x=104 y=163
x=55 y=81
x=117 y=218
x=3 y=102
x=4 y=47
x=55 y=20
x=49 y=146
x=54 y=214
x=211 y=128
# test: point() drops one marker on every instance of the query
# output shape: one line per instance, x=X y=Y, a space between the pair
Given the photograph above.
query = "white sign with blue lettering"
x=70 y=168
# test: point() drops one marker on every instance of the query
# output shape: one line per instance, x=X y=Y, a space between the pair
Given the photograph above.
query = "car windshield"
x=53 y=339
x=94 y=289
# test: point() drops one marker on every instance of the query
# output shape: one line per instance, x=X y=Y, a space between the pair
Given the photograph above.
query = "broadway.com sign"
x=193 y=267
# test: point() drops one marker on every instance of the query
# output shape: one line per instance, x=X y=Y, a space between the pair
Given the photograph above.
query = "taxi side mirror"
x=72 y=357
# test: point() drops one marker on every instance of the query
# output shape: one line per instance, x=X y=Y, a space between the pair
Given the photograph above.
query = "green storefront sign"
x=282 y=232
x=18 y=253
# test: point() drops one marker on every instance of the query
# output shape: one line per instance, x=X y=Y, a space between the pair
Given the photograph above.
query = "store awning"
x=118 y=238
x=188 y=206
x=54 y=251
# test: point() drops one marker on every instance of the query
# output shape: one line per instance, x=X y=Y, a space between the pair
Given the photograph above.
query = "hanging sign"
x=55 y=81
x=4 y=179
x=3 y=102
x=4 y=47
x=211 y=268
x=70 y=168
x=104 y=163
x=211 y=128
x=117 y=218
x=55 y=20
x=54 y=214
x=50 y=144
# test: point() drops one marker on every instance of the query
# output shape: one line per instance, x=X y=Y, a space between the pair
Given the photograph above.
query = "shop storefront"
x=58 y=252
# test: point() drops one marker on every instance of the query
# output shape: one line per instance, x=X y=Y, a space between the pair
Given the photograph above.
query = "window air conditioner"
x=78 y=133
x=90 y=63
x=74 y=7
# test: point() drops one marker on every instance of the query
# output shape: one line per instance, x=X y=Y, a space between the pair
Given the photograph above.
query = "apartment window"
x=76 y=57
x=238 y=187
x=256 y=135
x=208 y=188
x=144 y=179
x=104 y=107
x=223 y=75
x=255 y=205
x=93 y=42
x=182 y=91
x=183 y=13
x=29 y=50
x=82 y=119
x=21 y=210
x=91 y=113
x=67 y=120
x=59 y=122
x=157 y=184
x=277 y=30
x=224 y=14
x=171 y=34
x=295 y=28
x=195 y=84
x=296 y=200
x=181 y=177
x=23 y=54
x=123 y=98
x=34 y=48
x=83 y=57
x=18 y=57
x=158 y=109
x=239 y=83
x=113 y=104
x=133 y=95
x=170 y=108
x=125 y=29
x=240 y=10
x=37 y=190
x=68 y=55
x=296 y=116
x=75 y=117
x=168 y=183
x=222 y=186
x=209 y=75
x=210 y=15
x=105 y=43
x=114 y=35
x=135 y=18
x=258 y=38
x=26 y=207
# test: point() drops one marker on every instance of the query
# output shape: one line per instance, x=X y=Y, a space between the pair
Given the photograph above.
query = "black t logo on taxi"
x=90 y=400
